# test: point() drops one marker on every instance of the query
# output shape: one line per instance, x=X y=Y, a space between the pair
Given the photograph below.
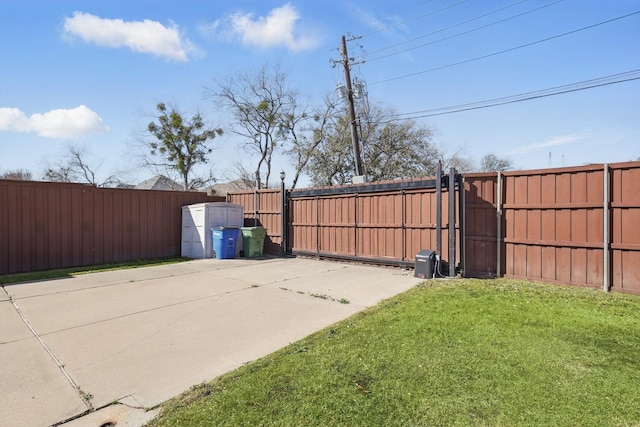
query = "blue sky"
x=91 y=72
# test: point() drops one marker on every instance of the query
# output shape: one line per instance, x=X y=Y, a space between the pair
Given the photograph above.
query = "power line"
x=464 y=32
x=446 y=28
x=434 y=12
x=528 y=96
x=506 y=50
x=421 y=16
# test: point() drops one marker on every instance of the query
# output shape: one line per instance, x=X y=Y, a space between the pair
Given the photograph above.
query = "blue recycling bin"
x=224 y=242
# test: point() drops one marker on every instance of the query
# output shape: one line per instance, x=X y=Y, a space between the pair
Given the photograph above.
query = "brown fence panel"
x=481 y=226
x=554 y=225
x=420 y=222
x=262 y=208
x=625 y=227
x=336 y=223
x=385 y=222
x=304 y=224
x=379 y=231
x=46 y=225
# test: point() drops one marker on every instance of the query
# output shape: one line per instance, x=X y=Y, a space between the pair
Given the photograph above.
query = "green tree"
x=305 y=134
x=332 y=162
x=180 y=144
x=390 y=149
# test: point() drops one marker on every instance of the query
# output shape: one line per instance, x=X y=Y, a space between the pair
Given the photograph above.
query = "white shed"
x=197 y=221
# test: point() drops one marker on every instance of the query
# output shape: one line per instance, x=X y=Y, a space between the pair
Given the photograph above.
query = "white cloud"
x=560 y=140
x=278 y=28
x=74 y=123
x=140 y=36
x=390 y=23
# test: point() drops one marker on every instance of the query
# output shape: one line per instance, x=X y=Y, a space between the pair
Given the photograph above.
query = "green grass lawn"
x=463 y=352
x=73 y=271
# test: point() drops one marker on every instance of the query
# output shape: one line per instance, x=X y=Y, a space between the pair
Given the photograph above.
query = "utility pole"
x=352 y=109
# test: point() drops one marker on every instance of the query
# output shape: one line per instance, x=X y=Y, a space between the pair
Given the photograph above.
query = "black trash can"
x=425 y=262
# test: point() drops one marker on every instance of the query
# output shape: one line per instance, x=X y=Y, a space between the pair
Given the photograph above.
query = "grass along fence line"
x=9 y=279
x=460 y=352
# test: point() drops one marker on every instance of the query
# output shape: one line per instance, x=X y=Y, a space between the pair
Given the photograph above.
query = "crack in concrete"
x=81 y=394
x=118 y=283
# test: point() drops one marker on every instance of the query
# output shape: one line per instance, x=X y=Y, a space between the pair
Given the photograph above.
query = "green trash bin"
x=253 y=241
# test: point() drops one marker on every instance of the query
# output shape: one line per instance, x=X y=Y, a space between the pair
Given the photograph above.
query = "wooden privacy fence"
x=577 y=226
x=388 y=222
x=384 y=222
x=262 y=208
x=46 y=225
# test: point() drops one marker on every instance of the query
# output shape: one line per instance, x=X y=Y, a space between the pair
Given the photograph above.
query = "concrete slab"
x=359 y=284
x=155 y=355
x=142 y=336
x=12 y=327
x=34 y=391
x=59 y=311
x=108 y=278
x=115 y=415
x=282 y=271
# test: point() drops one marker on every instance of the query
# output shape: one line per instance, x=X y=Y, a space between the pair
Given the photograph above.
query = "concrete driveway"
x=107 y=347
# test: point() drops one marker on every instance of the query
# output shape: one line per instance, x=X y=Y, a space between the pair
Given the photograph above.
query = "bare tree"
x=17 y=175
x=239 y=178
x=262 y=108
x=74 y=167
x=180 y=145
x=492 y=163
x=457 y=160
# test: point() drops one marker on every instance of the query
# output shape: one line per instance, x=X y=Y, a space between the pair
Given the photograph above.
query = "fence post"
x=318 y=225
x=256 y=199
x=355 y=225
x=439 y=210
x=606 y=279
x=283 y=216
x=452 y=222
x=404 y=225
x=499 y=225
x=462 y=235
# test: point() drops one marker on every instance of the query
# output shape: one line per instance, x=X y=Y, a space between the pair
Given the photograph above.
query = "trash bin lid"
x=425 y=253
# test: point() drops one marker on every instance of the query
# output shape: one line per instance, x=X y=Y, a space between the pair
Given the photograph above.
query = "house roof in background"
x=223 y=188
x=159 y=182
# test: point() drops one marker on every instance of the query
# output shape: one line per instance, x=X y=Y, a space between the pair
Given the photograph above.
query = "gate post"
x=439 y=210
x=283 y=215
x=452 y=222
x=606 y=279
x=499 y=224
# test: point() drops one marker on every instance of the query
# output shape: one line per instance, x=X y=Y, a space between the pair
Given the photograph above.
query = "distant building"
x=225 y=188
x=159 y=182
